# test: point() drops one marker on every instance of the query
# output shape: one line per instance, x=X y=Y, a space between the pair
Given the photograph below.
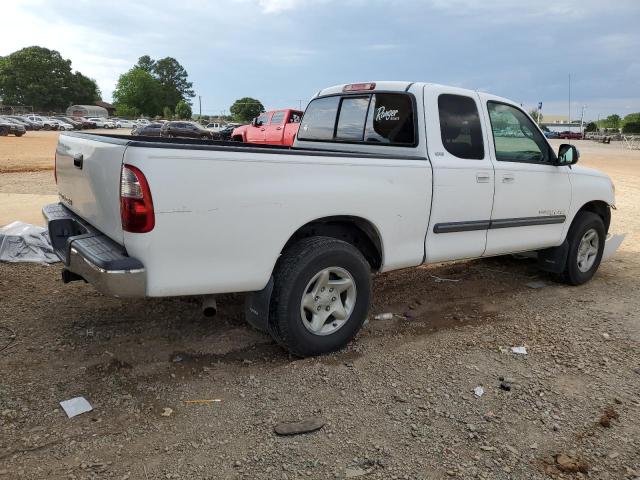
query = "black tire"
x=19 y=134
x=4 y=131
x=205 y=137
x=582 y=223
x=295 y=269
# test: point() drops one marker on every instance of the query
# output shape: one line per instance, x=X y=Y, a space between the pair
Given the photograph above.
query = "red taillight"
x=136 y=205
x=355 y=87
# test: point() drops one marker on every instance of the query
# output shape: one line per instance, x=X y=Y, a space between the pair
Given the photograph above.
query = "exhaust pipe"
x=209 y=307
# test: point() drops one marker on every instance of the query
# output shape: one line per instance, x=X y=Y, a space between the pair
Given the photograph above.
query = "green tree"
x=631 y=127
x=83 y=90
x=146 y=63
x=246 y=108
x=126 y=111
x=40 y=77
x=183 y=110
x=612 y=121
x=139 y=90
x=534 y=114
x=591 y=127
x=632 y=117
x=167 y=113
x=174 y=81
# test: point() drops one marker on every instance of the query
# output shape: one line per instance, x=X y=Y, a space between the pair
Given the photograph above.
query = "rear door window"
x=460 y=127
x=277 y=118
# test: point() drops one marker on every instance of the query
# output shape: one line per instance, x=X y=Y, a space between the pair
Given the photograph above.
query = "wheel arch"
x=600 y=208
x=359 y=232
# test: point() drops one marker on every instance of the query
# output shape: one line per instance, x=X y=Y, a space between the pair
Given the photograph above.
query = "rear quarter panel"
x=223 y=217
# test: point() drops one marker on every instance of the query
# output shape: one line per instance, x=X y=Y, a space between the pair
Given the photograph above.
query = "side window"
x=390 y=120
x=460 y=126
x=515 y=136
x=353 y=113
x=295 y=117
x=263 y=119
x=277 y=118
x=319 y=119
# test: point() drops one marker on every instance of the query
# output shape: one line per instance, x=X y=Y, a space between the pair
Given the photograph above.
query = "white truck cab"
x=382 y=176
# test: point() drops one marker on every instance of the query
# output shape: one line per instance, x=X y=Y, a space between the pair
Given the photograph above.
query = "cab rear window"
x=380 y=118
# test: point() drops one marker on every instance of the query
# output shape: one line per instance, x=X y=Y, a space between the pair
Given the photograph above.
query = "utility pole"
x=582 y=118
x=539 y=111
x=200 y=105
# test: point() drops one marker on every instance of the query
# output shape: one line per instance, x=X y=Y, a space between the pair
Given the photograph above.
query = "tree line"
x=43 y=79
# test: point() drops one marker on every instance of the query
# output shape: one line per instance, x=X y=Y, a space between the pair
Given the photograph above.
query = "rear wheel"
x=19 y=134
x=320 y=300
x=4 y=131
x=586 y=239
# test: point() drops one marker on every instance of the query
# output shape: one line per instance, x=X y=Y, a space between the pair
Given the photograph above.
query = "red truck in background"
x=276 y=127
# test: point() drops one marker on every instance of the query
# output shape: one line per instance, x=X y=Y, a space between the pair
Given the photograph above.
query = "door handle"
x=483 y=177
x=78 y=160
x=508 y=179
x=278 y=128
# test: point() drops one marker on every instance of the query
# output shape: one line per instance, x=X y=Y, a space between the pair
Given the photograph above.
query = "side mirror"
x=254 y=122
x=568 y=154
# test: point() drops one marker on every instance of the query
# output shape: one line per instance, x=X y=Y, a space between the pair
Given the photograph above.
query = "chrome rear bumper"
x=91 y=255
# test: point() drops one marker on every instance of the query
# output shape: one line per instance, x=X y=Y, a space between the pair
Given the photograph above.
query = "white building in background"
x=87 y=111
x=560 y=123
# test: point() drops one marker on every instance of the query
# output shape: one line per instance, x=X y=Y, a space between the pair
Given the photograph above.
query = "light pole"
x=582 y=119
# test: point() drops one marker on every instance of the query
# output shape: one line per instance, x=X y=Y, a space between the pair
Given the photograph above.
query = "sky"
x=283 y=51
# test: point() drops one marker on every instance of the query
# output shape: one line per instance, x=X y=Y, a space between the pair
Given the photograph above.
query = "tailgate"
x=88 y=172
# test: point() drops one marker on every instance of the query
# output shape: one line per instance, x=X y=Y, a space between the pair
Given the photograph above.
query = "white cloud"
x=276 y=6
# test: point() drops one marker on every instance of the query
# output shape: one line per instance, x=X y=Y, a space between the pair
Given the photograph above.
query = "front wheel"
x=586 y=239
x=4 y=131
x=322 y=288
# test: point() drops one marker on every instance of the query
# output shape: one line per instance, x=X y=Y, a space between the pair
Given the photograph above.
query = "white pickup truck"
x=382 y=176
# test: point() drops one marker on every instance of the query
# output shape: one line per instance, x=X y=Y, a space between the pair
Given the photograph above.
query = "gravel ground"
x=399 y=402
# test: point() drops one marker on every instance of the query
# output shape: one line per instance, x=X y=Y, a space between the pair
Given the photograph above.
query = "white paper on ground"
x=611 y=245
x=519 y=350
x=76 y=406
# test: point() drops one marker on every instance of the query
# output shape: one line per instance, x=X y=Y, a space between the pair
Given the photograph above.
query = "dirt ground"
x=398 y=403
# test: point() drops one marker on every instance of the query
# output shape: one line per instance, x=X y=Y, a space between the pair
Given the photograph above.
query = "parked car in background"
x=102 y=122
x=187 y=130
x=149 y=130
x=62 y=125
x=26 y=124
x=11 y=127
x=277 y=127
x=216 y=127
x=551 y=134
x=44 y=121
x=77 y=125
x=123 y=123
x=225 y=133
x=86 y=123
x=142 y=121
x=567 y=135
